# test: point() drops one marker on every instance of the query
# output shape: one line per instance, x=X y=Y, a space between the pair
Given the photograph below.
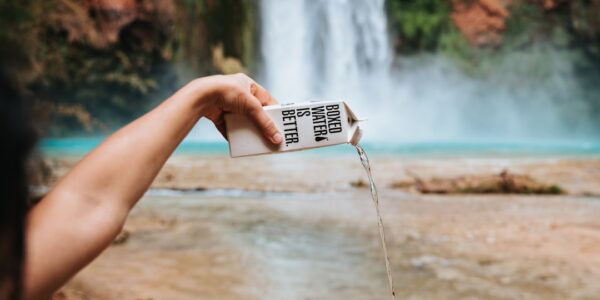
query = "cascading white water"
x=340 y=49
x=325 y=49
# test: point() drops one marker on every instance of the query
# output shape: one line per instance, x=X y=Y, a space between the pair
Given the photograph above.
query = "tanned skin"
x=84 y=212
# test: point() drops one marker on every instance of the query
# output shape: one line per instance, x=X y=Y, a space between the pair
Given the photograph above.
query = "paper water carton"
x=303 y=126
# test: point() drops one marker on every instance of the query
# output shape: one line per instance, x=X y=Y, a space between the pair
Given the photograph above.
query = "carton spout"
x=356 y=137
x=354 y=122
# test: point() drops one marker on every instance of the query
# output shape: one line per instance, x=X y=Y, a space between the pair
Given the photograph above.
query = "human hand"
x=238 y=93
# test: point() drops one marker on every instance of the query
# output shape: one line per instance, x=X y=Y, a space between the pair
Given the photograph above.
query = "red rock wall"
x=98 y=23
x=481 y=21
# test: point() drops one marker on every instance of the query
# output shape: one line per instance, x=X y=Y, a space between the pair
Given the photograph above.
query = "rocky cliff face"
x=99 y=23
x=482 y=21
x=99 y=63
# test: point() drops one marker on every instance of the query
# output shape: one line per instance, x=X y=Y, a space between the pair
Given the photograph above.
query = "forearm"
x=86 y=209
x=124 y=166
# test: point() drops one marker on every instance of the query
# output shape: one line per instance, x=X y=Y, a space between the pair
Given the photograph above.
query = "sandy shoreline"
x=318 y=239
x=297 y=173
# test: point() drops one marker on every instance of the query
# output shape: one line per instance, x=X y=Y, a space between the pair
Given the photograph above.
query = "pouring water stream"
x=364 y=159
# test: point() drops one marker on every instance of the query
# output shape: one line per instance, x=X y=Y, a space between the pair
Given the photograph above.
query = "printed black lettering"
x=334 y=123
x=326 y=120
x=335 y=127
x=290 y=126
x=320 y=130
x=318 y=119
x=289 y=119
x=333 y=119
x=303 y=112
x=291 y=138
x=288 y=112
x=318 y=110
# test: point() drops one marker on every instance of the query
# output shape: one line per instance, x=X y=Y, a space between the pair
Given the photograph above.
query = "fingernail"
x=277 y=138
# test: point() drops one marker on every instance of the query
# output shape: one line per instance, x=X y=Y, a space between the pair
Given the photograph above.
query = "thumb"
x=264 y=122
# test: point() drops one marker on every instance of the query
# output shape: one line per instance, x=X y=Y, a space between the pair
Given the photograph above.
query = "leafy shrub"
x=419 y=25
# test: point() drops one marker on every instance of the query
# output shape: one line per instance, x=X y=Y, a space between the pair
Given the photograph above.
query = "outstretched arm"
x=84 y=212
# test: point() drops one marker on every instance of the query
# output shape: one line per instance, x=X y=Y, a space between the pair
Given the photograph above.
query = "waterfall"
x=324 y=49
x=340 y=49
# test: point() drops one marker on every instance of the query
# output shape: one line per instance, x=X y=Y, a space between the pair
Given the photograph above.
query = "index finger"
x=265 y=123
x=262 y=94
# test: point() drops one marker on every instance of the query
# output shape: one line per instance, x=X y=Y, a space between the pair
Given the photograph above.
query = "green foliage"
x=455 y=46
x=420 y=25
x=206 y=24
x=584 y=26
x=541 y=47
x=567 y=33
x=114 y=85
x=111 y=85
x=193 y=6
